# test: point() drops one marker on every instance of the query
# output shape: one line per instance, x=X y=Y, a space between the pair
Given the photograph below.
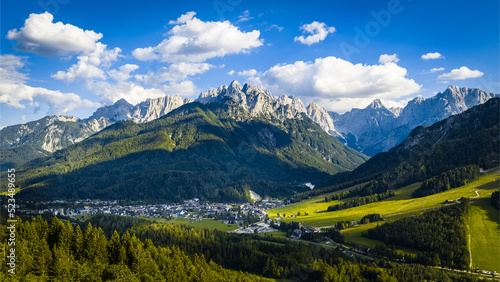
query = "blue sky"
x=71 y=56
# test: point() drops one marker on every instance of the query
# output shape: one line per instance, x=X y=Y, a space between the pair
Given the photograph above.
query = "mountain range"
x=377 y=129
x=238 y=140
x=370 y=130
x=468 y=138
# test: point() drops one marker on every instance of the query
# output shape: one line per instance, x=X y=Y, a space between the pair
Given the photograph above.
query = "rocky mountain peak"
x=122 y=103
x=235 y=86
x=145 y=111
x=293 y=102
x=320 y=116
x=376 y=104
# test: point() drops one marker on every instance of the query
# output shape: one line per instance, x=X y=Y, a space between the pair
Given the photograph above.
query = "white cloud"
x=244 y=17
x=318 y=32
x=386 y=58
x=9 y=69
x=41 y=36
x=174 y=73
x=123 y=72
x=436 y=70
x=248 y=73
x=336 y=83
x=461 y=73
x=192 y=40
x=15 y=93
x=231 y=72
x=183 y=18
x=275 y=26
x=432 y=56
x=88 y=66
x=135 y=93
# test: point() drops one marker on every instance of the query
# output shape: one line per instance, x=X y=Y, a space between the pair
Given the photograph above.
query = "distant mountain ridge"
x=24 y=142
x=468 y=138
x=148 y=110
x=376 y=128
x=370 y=130
x=240 y=139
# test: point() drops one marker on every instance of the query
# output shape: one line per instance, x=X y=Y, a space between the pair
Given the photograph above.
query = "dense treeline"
x=344 y=224
x=329 y=188
x=373 y=187
x=249 y=253
x=170 y=252
x=374 y=217
x=60 y=252
x=447 y=180
x=111 y=223
x=440 y=236
x=495 y=199
x=286 y=225
x=331 y=233
x=361 y=201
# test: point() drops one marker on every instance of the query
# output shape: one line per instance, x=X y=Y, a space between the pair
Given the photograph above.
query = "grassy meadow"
x=485 y=236
x=483 y=224
x=391 y=209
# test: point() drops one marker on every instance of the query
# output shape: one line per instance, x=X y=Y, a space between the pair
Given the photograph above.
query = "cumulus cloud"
x=386 y=58
x=318 y=32
x=135 y=93
x=231 y=72
x=193 y=40
x=174 y=73
x=9 y=69
x=41 y=36
x=336 y=83
x=461 y=73
x=15 y=93
x=436 y=70
x=183 y=18
x=123 y=72
x=89 y=65
x=248 y=73
x=432 y=56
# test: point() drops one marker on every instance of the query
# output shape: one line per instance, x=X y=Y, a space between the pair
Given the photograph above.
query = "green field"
x=485 y=236
x=309 y=206
x=400 y=205
x=354 y=235
x=275 y=234
x=204 y=223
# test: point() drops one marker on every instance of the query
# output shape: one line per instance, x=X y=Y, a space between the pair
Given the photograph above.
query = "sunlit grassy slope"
x=393 y=208
x=485 y=235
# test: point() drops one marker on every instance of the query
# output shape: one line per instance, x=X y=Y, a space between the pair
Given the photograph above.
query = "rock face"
x=259 y=102
x=452 y=101
x=148 y=110
x=376 y=128
x=24 y=142
x=50 y=133
x=320 y=116
x=254 y=101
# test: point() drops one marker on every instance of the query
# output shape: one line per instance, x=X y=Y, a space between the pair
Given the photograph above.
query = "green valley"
x=195 y=151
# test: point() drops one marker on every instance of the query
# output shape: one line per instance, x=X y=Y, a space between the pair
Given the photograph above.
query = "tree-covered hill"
x=212 y=151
